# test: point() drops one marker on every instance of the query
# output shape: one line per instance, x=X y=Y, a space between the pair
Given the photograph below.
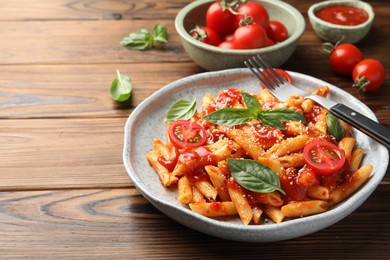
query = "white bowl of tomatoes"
x=217 y=38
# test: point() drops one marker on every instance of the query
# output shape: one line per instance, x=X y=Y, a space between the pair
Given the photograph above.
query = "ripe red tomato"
x=254 y=10
x=344 y=58
x=284 y=75
x=227 y=45
x=250 y=36
x=368 y=75
x=276 y=31
x=207 y=35
x=185 y=134
x=323 y=157
x=221 y=21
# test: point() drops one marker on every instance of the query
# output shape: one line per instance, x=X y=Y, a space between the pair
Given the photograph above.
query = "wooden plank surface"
x=64 y=192
x=120 y=223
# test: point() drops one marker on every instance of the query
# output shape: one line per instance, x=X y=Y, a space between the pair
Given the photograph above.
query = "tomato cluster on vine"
x=239 y=25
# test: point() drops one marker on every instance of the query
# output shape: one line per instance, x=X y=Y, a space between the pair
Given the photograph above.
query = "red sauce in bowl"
x=342 y=15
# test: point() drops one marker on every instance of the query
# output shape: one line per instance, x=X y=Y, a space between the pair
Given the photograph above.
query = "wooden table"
x=64 y=190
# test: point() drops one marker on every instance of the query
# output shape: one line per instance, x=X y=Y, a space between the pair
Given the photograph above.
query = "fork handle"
x=371 y=128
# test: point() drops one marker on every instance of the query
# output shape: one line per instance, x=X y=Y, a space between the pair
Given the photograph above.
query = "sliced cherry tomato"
x=207 y=35
x=344 y=57
x=250 y=36
x=184 y=134
x=368 y=75
x=220 y=20
x=255 y=11
x=323 y=157
x=276 y=31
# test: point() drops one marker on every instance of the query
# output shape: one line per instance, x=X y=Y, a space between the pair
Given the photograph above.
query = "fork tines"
x=264 y=72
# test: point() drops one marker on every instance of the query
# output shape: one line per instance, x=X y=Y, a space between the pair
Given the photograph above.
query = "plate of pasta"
x=220 y=155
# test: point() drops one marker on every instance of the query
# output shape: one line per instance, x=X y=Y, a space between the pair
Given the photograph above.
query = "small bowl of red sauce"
x=341 y=20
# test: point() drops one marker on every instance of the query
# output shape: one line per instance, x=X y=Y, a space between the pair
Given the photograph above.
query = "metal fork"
x=282 y=89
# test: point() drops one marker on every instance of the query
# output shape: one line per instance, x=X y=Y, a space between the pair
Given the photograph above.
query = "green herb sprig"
x=238 y=116
x=143 y=39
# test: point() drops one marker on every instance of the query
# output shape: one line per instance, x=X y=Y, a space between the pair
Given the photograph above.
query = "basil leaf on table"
x=121 y=88
x=254 y=176
x=181 y=109
x=229 y=116
x=334 y=126
x=160 y=34
x=143 y=39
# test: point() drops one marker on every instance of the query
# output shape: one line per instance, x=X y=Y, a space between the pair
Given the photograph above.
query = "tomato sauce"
x=342 y=15
x=195 y=160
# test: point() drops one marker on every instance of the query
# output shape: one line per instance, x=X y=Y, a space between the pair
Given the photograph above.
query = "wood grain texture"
x=64 y=192
x=121 y=224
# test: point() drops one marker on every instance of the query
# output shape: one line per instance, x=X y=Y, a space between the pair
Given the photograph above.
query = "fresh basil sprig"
x=182 y=109
x=334 y=126
x=237 y=116
x=143 y=39
x=254 y=176
x=121 y=88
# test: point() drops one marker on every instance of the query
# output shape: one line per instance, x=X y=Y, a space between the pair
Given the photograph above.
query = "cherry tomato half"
x=368 y=75
x=323 y=157
x=344 y=58
x=276 y=31
x=185 y=134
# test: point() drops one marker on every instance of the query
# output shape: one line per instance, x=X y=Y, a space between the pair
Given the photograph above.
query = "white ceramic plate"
x=146 y=123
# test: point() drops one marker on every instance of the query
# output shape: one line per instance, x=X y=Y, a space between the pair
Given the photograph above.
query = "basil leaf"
x=160 y=33
x=251 y=103
x=121 y=88
x=229 y=116
x=143 y=39
x=139 y=40
x=182 y=109
x=272 y=122
x=334 y=126
x=254 y=176
x=270 y=117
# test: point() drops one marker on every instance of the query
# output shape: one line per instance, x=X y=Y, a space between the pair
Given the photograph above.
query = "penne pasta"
x=241 y=204
x=292 y=160
x=184 y=190
x=207 y=189
x=246 y=142
x=304 y=208
x=350 y=185
x=214 y=209
x=218 y=180
x=347 y=144
x=197 y=196
x=356 y=158
x=166 y=178
x=318 y=192
x=274 y=213
x=288 y=146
